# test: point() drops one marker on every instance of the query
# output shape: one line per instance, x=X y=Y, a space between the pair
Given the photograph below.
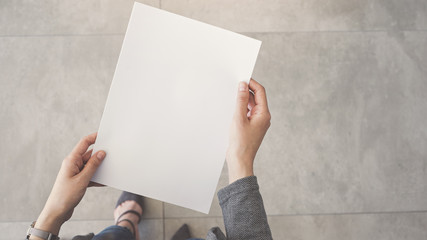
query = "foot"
x=126 y=206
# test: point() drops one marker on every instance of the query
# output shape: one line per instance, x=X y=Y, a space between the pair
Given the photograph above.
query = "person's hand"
x=73 y=178
x=250 y=123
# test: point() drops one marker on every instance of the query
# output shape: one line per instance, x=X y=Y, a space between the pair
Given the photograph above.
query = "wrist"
x=238 y=171
x=49 y=222
x=34 y=233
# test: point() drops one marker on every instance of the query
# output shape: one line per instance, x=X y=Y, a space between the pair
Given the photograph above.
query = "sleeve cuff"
x=243 y=185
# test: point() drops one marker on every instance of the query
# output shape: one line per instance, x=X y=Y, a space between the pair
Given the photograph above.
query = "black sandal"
x=127 y=196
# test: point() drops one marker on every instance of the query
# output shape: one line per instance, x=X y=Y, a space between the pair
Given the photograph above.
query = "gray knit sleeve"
x=243 y=211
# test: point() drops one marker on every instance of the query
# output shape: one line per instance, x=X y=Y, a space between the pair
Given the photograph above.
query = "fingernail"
x=100 y=155
x=243 y=86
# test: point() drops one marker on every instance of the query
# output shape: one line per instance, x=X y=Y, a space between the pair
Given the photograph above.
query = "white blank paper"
x=166 y=121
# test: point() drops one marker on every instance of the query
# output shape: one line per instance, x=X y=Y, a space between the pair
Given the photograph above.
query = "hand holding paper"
x=73 y=178
x=250 y=123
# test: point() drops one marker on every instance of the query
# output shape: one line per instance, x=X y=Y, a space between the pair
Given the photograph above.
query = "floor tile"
x=352 y=227
x=151 y=229
x=348 y=129
x=295 y=15
x=199 y=227
x=24 y=17
x=52 y=93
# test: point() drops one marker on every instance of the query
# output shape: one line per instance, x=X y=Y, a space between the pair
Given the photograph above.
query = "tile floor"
x=345 y=158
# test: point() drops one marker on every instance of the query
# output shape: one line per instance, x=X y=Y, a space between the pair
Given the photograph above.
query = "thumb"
x=242 y=100
x=92 y=164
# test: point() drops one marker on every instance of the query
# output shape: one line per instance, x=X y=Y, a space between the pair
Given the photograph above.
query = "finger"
x=94 y=184
x=259 y=93
x=242 y=100
x=87 y=155
x=84 y=144
x=251 y=101
x=92 y=164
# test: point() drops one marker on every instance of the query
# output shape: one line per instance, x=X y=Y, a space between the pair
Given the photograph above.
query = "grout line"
x=255 y=32
x=340 y=31
x=163 y=220
x=160 y=4
x=65 y=35
x=347 y=213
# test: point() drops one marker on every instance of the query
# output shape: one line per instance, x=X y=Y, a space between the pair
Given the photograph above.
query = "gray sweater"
x=243 y=211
